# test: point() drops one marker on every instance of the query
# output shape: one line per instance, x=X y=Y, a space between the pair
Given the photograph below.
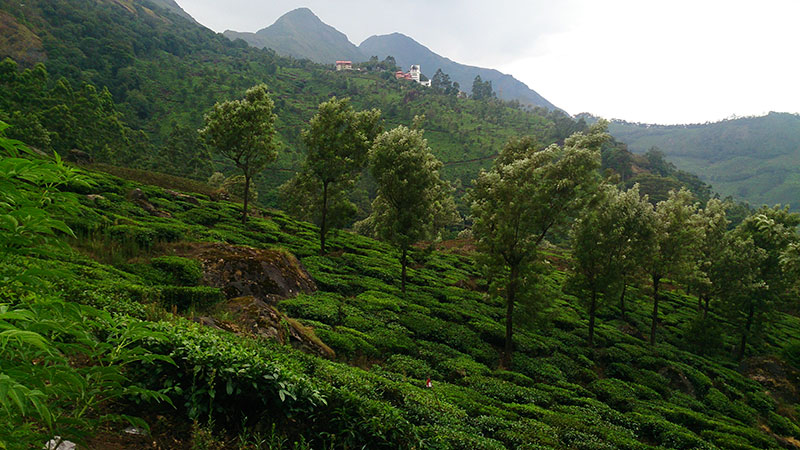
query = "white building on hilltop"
x=414 y=75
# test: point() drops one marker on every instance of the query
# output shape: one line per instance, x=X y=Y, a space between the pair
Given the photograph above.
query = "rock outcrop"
x=265 y=274
x=254 y=317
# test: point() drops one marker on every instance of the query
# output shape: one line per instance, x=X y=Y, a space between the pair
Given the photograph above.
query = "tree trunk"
x=656 y=281
x=705 y=310
x=622 y=300
x=511 y=298
x=746 y=333
x=592 y=310
x=403 y=263
x=323 y=230
x=246 y=196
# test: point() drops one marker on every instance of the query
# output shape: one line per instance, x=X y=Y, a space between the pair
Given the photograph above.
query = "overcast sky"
x=675 y=61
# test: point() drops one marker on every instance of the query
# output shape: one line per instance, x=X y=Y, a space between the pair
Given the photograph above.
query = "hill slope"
x=756 y=159
x=301 y=34
x=407 y=51
x=558 y=394
x=171 y=5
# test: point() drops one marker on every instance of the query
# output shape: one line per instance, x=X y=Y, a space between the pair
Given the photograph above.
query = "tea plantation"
x=235 y=390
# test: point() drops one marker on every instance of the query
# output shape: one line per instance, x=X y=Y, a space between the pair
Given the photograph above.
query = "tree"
x=713 y=225
x=770 y=235
x=184 y=154
x=244 y=131
x=673 y=242
x=605 y=243
x=528 y=193
x=337 y=142
x=441 y=83
x=413 y=203
x=482 y=90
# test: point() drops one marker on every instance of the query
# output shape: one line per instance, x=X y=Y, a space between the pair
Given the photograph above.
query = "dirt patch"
x=780 y=380
x=267 y=275
x=167 y=432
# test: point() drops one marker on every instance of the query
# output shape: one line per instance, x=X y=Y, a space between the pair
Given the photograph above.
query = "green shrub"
x=184 y=271
x=216 y=376
x=761 y=402
x=348 y=342
x=537 y=369
x=782 y=425
x=205 y=216
x=704 y=335
x=459 y=367
x=184 y=297
x=615 y=393
x=411 y=367
x=791 y=354
x=727 y=441
x=132 y=234
x=168 y=232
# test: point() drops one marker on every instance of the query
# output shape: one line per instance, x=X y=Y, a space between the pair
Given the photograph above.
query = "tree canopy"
x=528 y=193
x=243 y=131
x=412 y=202
x=336 y=143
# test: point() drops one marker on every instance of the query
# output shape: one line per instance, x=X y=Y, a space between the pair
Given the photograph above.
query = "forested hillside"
x=139 y=79
x=754 y=159
x=164 y=72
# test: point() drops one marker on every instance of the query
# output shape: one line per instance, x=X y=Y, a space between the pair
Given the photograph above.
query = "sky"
x=666 y=62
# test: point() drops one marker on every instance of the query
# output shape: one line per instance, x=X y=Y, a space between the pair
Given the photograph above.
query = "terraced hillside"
x=343 y=364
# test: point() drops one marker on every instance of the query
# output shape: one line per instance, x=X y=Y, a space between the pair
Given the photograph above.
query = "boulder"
x=265 y=274
x=255 y=317
x=140 y=199
x=57 y=443
x=79 y=157
x=183 y=197
x=780 y=380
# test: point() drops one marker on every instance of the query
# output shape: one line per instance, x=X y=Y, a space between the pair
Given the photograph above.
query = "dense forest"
x=346 y=260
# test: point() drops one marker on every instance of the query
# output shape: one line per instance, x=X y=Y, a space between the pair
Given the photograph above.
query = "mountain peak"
x=303 y=14
x=301 y=34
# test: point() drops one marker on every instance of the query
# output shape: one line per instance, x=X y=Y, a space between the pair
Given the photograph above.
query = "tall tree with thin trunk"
x=713 y=224
x=674 y=242
x=336 y=141
x=772 y=233
x=528 y=193
x=413 y=203
x=244 y=131
x=606 y=241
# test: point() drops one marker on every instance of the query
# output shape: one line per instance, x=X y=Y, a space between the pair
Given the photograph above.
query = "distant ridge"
x=302 y=35
x=756 y=159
